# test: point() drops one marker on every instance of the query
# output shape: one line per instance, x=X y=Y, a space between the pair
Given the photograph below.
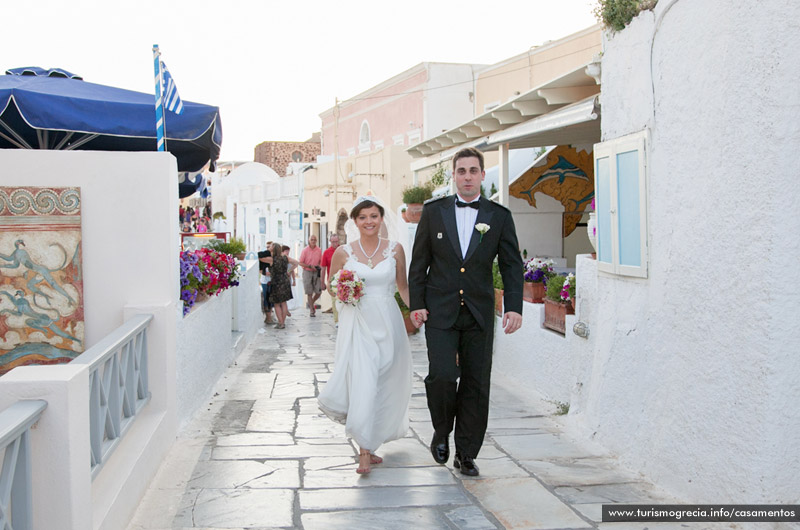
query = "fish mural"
x=41 y=277
x=567 y=175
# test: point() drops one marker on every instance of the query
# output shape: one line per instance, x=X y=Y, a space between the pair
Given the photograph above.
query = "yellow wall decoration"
x=567 y=175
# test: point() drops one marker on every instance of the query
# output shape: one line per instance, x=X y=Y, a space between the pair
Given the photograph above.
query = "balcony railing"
x=118 y=382
x=16 y=490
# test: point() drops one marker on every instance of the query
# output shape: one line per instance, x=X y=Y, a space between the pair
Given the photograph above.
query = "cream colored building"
x=547 y=96
x=329 y=188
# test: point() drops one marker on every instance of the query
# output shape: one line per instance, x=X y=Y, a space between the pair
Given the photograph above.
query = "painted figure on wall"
x=567 y=175
x=41 y=282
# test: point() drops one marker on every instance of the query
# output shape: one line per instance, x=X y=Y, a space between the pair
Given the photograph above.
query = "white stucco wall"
x=129 y=243
x=444 y=108
x=203 y=352
x=125 y=206
x=690 y=375
x=692 y=382
x=538 y=229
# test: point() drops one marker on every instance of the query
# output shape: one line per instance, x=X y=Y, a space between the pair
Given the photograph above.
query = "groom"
x=451 y=288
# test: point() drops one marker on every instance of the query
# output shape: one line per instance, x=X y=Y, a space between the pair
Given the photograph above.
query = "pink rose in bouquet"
x=349 y=288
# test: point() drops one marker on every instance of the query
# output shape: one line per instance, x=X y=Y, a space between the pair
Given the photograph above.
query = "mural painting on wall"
x=567 y=175
x=41 y=276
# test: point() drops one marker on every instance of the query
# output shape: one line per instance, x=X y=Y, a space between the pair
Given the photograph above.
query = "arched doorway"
x=341 y=219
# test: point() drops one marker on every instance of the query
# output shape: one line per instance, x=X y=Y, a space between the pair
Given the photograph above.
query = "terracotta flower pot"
x=555 y=316
x=533 y=292
x=414 y=212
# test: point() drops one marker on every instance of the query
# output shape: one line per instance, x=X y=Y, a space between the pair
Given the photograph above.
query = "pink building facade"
x=403 y=110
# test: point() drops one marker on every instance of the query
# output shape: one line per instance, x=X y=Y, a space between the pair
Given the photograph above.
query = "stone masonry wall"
x=278 y=155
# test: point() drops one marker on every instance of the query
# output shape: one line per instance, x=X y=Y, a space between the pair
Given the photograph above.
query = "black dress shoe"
x=466 y=464
x=440 y=449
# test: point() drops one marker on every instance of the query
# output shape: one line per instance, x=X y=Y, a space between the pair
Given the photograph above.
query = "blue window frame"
x=621 y=204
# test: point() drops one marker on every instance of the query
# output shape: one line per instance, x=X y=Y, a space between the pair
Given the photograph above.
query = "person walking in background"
x=266 y=286
x=281 y=291
x=292 y=274
x=327 y=257
x=310 y=259
x=450 y=278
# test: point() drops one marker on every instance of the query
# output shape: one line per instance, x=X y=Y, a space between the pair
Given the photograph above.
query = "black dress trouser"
x=458 y=390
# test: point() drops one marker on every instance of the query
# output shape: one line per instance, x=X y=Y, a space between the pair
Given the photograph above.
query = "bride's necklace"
x=369 y=258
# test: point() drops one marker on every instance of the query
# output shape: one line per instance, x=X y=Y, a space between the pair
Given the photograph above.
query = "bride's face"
x=368 y=221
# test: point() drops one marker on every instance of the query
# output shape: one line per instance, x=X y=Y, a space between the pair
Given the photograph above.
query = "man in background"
x=310 y=260
x=327 y=256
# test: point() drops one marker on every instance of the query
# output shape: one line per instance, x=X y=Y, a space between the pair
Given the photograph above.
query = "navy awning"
x=55 y=109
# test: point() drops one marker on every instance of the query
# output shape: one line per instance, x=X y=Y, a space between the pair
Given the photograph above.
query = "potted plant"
x=560 y=292
x=235 y=247
x=410 y=327
x=403 y=214
x=536 y=273
x=497 y=279
x=414 y=197
x=205 y=272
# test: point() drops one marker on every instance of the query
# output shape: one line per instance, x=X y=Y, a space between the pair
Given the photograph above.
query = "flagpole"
x=161 y=136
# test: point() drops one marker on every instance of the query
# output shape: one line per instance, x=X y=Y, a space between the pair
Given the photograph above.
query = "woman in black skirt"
x=281 y=287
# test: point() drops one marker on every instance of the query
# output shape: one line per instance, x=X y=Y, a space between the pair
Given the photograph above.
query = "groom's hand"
x=511 y=322
x=419 y=316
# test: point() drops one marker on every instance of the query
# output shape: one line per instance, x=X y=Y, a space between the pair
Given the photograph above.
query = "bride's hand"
x=419 y=316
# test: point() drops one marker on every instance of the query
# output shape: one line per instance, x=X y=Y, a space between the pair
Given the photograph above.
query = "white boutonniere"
x=482 y=228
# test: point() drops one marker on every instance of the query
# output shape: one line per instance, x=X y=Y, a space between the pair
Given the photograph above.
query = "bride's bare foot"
x=364 y=460
x=375 y=459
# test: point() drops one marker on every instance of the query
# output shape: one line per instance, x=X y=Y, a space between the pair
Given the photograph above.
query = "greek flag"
x=172 y=100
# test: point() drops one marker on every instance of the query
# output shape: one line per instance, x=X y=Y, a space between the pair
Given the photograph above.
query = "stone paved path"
x=260 y=455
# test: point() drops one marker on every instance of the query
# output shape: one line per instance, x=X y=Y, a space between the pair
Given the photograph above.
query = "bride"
x=370 y=387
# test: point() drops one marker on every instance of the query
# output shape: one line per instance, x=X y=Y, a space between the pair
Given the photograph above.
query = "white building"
x=689 y=373
x=260 y=206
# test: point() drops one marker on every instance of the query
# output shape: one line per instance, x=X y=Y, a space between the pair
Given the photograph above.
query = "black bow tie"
x=474 y=204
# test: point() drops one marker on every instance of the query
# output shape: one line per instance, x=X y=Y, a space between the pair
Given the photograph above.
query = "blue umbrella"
x=55 y=109
x=189 y=183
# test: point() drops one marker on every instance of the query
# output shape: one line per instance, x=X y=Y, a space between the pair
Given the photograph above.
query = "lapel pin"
x=439 y=235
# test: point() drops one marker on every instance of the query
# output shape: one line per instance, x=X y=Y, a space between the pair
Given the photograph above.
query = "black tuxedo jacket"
x=439 y=279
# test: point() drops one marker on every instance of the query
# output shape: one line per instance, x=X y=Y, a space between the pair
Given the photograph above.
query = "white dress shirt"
x=465 y=220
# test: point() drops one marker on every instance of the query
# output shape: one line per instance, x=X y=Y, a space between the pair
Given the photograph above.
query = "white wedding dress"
x=370 y=387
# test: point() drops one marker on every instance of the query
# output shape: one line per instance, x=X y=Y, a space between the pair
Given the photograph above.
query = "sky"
x=273 y=67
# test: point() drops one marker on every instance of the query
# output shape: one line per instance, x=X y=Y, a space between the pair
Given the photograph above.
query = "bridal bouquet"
x=348 y=286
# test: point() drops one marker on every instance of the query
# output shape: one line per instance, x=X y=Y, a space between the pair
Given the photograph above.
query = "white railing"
x=118 y=385
x=16 y=490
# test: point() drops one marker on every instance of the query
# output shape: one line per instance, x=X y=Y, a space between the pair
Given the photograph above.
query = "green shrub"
x=236 y=245
x=417 y=194
x=402 y=305
x=497 y=279
x=616 y=14
x=554 y=286
x=439 y=177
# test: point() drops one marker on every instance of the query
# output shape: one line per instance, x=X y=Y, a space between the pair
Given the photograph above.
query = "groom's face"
x=468 y=176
